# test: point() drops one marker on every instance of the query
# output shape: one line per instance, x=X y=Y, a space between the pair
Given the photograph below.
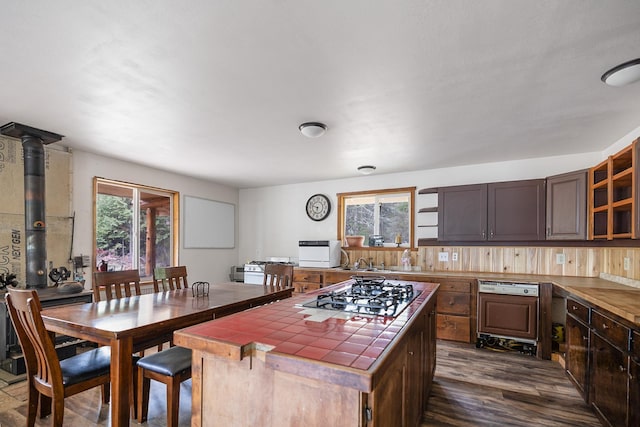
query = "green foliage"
x=113 y=223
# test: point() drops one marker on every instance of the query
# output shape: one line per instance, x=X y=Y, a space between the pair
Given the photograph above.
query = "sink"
x=364 y=270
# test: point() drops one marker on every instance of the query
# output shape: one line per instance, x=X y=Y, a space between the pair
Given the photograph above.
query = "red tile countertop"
x=316 y=335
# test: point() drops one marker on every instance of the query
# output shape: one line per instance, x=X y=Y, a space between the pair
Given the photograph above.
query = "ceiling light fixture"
x=623 y=74
x=366 y=169
x=313 y=129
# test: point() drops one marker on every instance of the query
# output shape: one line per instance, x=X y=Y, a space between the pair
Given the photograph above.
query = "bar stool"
x=170 y=367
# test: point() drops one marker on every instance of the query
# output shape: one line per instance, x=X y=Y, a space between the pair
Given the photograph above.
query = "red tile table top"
x=284 y=327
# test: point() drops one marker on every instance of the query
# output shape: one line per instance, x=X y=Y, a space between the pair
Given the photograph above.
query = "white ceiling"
x=217 y=89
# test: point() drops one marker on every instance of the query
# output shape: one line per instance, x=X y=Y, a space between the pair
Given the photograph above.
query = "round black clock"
x=318 y=207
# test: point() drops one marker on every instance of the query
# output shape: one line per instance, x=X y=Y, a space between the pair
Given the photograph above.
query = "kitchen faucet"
x=364 y=263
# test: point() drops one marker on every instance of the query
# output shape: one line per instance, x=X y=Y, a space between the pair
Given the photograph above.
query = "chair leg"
x=173 y=401
x=45 y=406
x=58 y=411
x=32 y=408
x=106 y=393
x=143 y=397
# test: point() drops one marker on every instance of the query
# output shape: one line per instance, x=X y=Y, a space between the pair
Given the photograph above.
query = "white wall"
x=273 y=219
x=203 y=264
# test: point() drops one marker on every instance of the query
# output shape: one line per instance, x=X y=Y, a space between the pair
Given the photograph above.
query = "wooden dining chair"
x=169 y=278
x=50 y=379
x=277 y=277
x=115 y=284
x=170 y=367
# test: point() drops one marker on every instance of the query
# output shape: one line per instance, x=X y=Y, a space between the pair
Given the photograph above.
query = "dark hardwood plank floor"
x=482 y=387
x=473 y=387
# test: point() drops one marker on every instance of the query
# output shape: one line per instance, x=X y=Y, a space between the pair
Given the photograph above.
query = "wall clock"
x=318 y=207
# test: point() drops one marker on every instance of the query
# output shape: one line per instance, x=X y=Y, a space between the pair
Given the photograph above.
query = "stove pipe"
x=33 y=141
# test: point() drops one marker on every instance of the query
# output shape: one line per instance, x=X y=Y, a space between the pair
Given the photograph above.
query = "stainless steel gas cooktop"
x=368 y=295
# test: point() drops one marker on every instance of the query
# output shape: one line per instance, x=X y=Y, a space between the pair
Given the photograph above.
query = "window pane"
x=394 y=220
x=134 y=227
x=114 y=225
x=155 y=232
x=378 y=214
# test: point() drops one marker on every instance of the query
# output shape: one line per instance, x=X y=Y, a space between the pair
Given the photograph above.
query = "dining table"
x=136 y=323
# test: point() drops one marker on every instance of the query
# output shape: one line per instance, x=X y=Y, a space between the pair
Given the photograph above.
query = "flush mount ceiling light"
x=366 y=169
x=313 y=129
x=623 y=74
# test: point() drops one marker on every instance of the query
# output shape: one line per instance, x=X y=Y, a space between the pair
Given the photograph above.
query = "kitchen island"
x=284 y=364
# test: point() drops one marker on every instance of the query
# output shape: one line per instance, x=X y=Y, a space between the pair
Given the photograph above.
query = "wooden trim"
x=412 y=218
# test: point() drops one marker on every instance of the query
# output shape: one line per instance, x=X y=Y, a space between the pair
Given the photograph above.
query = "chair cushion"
x=167 y=362
x=86 y=365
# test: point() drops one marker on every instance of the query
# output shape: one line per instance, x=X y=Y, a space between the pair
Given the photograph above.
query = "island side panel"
x=247 y=393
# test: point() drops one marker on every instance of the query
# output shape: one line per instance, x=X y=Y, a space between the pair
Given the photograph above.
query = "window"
x=134 y=227
x=385 y=216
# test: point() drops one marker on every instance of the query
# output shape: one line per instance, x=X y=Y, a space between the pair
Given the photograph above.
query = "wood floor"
x=482 y=387
x=473 y=387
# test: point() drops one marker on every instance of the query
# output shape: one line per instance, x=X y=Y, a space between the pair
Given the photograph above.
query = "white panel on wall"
x=208 y=223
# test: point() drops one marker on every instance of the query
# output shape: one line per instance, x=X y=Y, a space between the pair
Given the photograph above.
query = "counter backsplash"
x=580 y=261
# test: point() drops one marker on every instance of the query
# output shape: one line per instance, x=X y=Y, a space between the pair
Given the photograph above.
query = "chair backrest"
x=277 y=277
x=115 y=284
x=170 y=278
x=38 y=349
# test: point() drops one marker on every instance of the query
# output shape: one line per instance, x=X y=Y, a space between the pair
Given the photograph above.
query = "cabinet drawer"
x=578 y=310
x=453 y=303
x=635 y=348
x=307 y=276
x=454 y=286
x=454 y=328
x=615 y=332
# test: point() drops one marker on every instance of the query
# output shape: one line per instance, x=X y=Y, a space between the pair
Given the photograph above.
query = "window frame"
x=341 y=211
x=174 y=197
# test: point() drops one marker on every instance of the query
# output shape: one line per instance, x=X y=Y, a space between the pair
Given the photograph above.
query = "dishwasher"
x=508 y=316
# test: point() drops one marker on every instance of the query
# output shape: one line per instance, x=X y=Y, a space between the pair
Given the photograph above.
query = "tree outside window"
x=387 y=214
x=134 y=227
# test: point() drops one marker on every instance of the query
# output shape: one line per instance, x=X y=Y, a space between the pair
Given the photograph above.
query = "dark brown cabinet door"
x=634 y=393
x=567 y=206
x=516 y=210
x=577 y=356
x=462 y=213
x=508 y=315
x=609 y=381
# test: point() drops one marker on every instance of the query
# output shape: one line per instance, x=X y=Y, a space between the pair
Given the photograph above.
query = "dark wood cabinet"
x=462 y=213
x=577 y=354
x=609 y=382
x=567 y=206
x=502 y=211
x=516 y=210
x=602 y=360
x=633 y=408
x=455 y=307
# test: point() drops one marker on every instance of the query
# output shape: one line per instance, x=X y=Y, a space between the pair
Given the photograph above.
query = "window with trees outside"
x=134 y=227
x=383 y=217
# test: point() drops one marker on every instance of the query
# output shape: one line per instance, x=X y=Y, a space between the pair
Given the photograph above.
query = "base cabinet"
x=602 y=362
x=634 y=392
x=609 y=382
x=306 y=280
x=577 y=354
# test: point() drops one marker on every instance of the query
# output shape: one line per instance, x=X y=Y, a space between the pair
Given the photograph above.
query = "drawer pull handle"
x=574 y=308
x=585 y=338
x=622 y=368
x=411 y=353
x=605 y=326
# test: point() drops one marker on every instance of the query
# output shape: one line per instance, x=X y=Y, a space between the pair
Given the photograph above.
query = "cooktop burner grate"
x=369 y=295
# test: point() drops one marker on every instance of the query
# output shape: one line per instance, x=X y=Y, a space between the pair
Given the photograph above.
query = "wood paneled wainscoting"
x=581 y=261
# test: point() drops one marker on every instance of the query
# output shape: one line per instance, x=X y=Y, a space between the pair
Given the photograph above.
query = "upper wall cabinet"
x=567 y=206
x=502 y=211
x=613 y=196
